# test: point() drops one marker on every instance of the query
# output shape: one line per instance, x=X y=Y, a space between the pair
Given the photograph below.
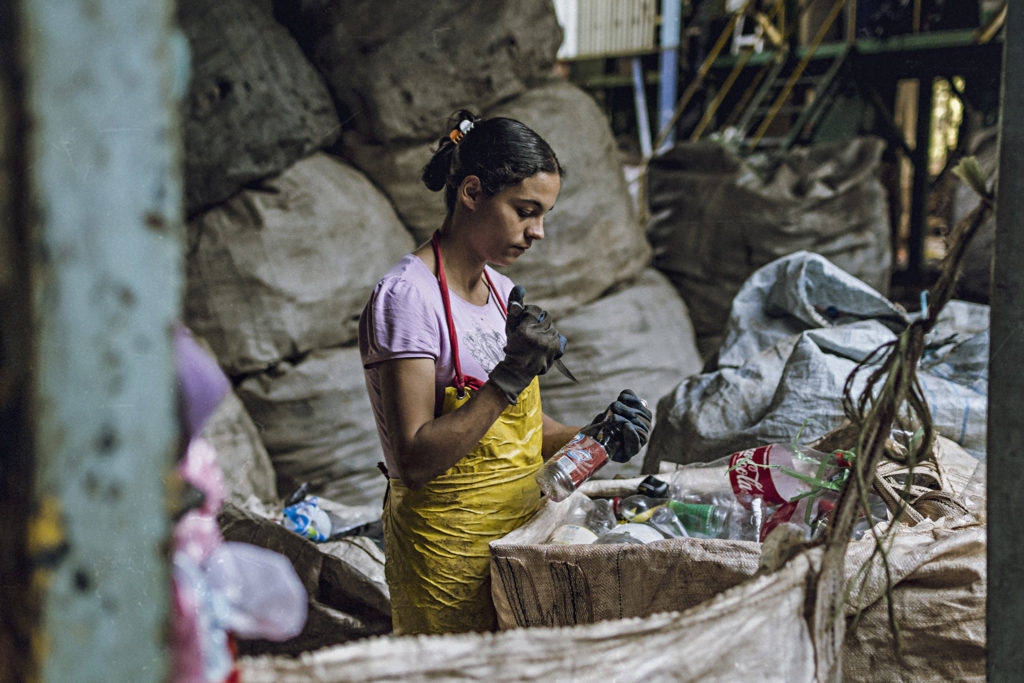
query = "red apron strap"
x=494 y=293
x=461 y=381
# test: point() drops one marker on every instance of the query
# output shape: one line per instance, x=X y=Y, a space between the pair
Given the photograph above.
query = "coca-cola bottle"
x=798 y=485
x=779 y=474
x=586 y=520
x=578 y=460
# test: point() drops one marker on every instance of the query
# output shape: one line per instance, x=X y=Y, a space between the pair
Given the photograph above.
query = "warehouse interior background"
x=95 y=197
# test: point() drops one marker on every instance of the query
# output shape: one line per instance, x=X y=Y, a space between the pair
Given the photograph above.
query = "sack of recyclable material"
x=539 y=584
x=752 y=210
x=932 y=565
x=721 y=640
x=798 y=328
x=343 y=578
x=756 y=630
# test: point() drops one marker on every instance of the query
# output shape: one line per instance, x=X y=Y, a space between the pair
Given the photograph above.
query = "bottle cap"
x=653 y=487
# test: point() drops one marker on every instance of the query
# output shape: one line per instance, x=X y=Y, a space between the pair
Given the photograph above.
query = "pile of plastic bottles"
x=761 y=489
x=645 y=516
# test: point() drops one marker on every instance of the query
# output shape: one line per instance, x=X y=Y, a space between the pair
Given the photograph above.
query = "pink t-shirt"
x=404 y=318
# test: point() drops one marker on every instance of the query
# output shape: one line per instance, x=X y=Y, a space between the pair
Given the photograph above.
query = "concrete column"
x=101 y=171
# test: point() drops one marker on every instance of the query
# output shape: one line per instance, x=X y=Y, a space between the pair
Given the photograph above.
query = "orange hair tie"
x=460 y=131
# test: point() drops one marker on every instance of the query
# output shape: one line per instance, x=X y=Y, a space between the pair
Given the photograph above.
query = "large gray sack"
x=716 y=218
x=317 y=424
x=398 y=69
x=283 y=269
x=798 y=328
x=255 y=103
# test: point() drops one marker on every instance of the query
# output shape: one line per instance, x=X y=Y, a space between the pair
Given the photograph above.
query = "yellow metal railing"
x=791 y=82
x=702 y=72
x=776 y=36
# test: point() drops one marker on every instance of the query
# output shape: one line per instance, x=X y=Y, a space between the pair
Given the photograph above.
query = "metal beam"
x=1005 y=463
x=102 y=80
x=671 y=21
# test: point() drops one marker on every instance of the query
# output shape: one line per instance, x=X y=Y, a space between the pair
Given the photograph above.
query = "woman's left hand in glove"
x=632 y=419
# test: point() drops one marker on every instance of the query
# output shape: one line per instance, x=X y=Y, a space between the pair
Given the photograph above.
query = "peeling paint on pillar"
x=103 y=81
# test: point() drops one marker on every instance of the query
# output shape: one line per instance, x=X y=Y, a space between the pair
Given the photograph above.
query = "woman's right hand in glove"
x=532 y=346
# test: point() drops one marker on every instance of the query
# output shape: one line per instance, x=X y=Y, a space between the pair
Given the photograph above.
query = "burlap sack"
x=344 y=578
x=936 y=571
x=540 y=584
x=755 y=631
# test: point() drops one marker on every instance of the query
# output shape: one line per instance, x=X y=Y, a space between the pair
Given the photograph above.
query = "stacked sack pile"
x=306 y=126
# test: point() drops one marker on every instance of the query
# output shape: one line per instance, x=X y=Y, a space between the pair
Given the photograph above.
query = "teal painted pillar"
x=1005 y=463
x=102 y=82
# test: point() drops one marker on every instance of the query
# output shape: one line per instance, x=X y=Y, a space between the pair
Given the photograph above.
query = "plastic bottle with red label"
x=778 y=474
x=797 y=485
x=800 y=486
x=577 y=460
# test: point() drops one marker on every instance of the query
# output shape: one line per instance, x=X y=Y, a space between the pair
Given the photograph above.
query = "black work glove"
x=630 y=419
x=532 y=345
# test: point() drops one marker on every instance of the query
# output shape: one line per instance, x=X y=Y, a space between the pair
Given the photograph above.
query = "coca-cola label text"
x=751 y=477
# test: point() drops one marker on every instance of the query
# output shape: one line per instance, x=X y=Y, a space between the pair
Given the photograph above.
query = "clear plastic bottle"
x=586 y=520
x=714 y=517
x=577 y=460
x=630 y=533
x=813 y=513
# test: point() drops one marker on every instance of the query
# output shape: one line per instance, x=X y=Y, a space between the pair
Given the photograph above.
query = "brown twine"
x=892 y=386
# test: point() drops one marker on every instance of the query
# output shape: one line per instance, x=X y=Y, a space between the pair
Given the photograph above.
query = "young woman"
x=451 y=354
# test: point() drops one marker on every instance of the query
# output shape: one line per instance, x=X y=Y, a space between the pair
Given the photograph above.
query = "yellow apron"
x=436 y=539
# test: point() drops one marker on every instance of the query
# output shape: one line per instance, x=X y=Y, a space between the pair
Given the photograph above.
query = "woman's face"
x=505 y=225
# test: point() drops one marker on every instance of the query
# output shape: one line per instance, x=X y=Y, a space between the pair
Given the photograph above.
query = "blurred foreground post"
x=90 y=283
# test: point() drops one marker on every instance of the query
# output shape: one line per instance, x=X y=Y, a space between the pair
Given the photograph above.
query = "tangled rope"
x=892 y=395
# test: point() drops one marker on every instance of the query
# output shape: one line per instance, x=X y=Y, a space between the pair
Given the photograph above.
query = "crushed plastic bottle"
x=586 y=520
x=630 y=532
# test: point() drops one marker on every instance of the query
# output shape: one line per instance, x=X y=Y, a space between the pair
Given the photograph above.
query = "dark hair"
x=499 y=151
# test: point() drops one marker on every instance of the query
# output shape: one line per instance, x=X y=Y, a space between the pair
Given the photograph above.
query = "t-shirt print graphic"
x=486 y=346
